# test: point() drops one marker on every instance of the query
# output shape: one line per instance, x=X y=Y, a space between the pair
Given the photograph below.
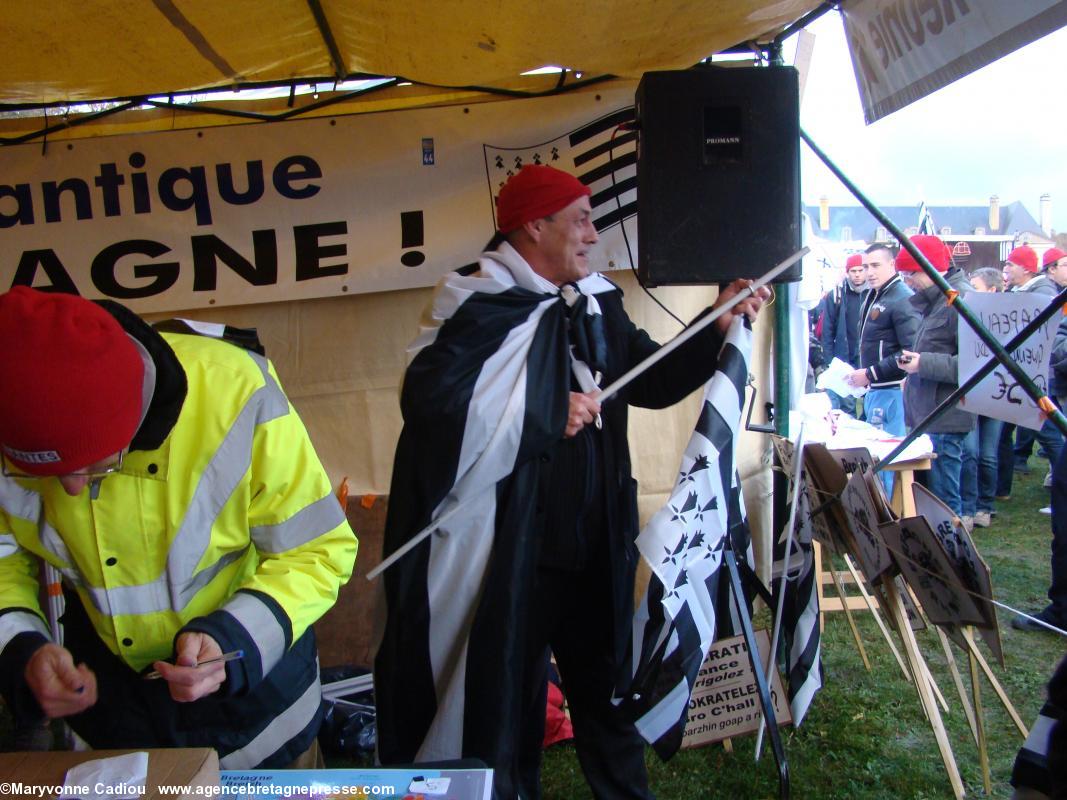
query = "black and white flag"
x=800 y=612
x=686 y=606
x=600 y=154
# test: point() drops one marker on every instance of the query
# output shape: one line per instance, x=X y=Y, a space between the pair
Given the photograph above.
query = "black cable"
x=622 y=227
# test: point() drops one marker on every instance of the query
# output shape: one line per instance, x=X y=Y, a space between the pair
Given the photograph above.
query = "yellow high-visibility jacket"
x=228 y=527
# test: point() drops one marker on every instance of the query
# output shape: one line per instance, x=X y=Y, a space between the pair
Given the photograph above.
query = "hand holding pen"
x=199 y=667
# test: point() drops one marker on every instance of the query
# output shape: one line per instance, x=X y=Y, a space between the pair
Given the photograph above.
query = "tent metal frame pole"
x=1043 y=402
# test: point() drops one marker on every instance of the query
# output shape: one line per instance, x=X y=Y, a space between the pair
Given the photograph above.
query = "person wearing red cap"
x=840 y=333
x=933 y=366
x=1021 y=275
x=165 y=476
x=501 y=389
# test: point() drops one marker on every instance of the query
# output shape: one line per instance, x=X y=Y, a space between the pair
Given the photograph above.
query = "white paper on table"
x=115 y=778
x=835 y=378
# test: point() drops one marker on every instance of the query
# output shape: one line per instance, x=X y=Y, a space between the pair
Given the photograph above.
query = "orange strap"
x=1046 y=405
x=952 y=294
x=55 y=589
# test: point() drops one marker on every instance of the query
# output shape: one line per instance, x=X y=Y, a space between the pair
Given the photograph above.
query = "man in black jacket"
x=932 y=367
x=888 y=324
x=542 y=558
x=840 y=311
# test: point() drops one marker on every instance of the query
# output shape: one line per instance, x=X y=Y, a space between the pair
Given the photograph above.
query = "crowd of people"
x=898 y=331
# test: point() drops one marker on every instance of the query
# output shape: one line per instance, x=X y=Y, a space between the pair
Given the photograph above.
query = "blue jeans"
x=944 y=478
x=978 y=477
x=891 y=403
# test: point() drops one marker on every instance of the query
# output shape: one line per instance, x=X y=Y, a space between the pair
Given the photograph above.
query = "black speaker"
x=718 y=174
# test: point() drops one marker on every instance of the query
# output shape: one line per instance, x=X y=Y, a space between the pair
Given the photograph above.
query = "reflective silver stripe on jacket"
x=307 y=524
x=15 y=622
x=180 y=582
x=8 y=545
x=280 y=730
x=18 y=501
x=262 y=626
x=217 y=483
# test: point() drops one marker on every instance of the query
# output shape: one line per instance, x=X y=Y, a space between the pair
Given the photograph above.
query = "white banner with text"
x=262 y=213
x=903 y=50
x=999 y=395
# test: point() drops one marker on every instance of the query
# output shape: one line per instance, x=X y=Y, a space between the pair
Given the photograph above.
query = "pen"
x=233 y=655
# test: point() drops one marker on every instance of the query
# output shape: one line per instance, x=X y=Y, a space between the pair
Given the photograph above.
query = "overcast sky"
x=1001 y=130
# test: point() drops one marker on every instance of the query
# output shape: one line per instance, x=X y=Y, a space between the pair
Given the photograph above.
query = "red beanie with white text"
x=70 y=382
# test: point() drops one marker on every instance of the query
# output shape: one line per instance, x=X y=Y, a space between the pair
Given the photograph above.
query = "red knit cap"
x=70 y=382
x=854 y=260
x=1051 y=256
x=1024 y=256
x=536 y=191
x=934 y=249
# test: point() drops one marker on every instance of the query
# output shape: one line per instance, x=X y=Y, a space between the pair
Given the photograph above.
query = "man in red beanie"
x=500 y=390
x=1021 y=275
x=165 y=476
x=840 y=334
x=932 y=366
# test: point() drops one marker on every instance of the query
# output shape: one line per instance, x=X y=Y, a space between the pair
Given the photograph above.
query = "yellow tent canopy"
x=137 y=50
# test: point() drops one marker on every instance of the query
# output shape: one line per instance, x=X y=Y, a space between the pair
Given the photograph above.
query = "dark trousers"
x=571 y=617
x=1057 y=592
x=1006 y=460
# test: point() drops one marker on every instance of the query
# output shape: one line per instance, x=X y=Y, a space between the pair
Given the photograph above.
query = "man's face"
x=917 y=281
x=565 y=241
x=857 y=276
x=1057 y=271
x=880 y=267
x=1014 y=275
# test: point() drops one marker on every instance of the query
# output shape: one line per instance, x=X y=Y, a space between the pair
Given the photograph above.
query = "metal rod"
x=698 y=326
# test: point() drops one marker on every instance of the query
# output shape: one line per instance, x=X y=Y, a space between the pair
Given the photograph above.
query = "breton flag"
x=600 y=154
x=686 y=606
x=800 y=613
x=926 y=220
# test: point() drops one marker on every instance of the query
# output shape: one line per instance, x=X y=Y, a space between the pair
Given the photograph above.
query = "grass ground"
x=865 y=735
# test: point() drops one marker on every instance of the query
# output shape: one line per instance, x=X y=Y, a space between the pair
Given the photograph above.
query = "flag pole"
x=698 y=326
x=611 y=390
x=798 y=468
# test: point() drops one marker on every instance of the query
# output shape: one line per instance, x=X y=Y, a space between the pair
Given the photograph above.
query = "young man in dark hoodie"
x=933 y=366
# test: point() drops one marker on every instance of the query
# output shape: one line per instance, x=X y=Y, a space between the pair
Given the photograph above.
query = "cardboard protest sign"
x=923 y=562
x=972 y=570
x=725 y=700
x=999 y=395
x=862 y=520
x=859 y=459
x=824 y=481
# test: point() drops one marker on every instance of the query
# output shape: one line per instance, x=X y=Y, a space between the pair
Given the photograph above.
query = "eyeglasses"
x=94 y=474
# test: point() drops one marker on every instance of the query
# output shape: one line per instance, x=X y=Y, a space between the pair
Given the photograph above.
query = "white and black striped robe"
x=485 y=393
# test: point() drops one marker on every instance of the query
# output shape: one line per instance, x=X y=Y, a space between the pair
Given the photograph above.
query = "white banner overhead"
x=310 y=208
x=903 y=50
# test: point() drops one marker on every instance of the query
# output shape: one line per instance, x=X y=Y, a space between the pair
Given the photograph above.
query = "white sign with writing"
x=999 y=395
x=903 y=50
x=308 y=208
x=725 y=700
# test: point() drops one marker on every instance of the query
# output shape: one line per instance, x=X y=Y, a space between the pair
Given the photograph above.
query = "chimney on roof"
x=824 y=213
x=1046 y=213
x=994 y=214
